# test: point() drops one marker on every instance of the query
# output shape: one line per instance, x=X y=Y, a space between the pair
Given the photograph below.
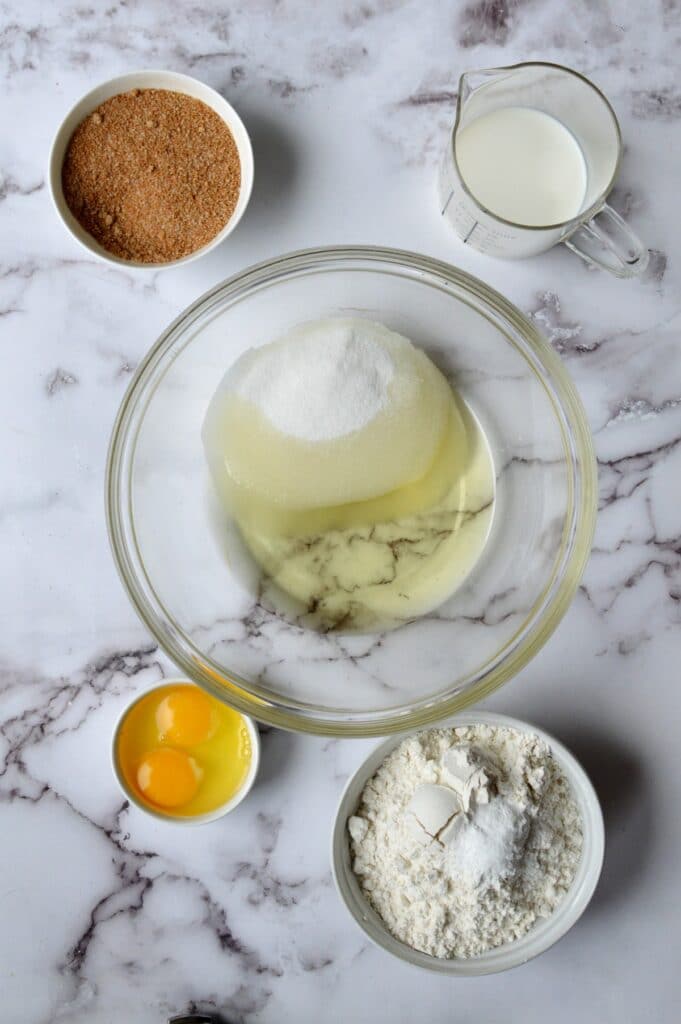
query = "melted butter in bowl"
x=360 y=482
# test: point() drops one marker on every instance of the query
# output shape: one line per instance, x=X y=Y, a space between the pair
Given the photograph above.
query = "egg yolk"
x=168 y=777
x=185 y=717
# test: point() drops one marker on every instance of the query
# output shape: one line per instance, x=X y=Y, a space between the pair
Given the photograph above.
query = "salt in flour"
x=457 y=876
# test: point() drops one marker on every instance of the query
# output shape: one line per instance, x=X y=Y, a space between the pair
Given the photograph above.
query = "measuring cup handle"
x=607 y=241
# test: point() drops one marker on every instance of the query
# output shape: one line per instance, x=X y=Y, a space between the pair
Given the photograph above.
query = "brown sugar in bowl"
x=203 y=213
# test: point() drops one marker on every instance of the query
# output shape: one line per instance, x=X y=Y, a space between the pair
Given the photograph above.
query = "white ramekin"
x=198 y=819
x=175 y=82
x=542 y=935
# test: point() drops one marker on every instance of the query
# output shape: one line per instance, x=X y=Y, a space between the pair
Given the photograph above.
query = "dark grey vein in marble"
x=58 y=380
x=10 y=186
x=657 y=104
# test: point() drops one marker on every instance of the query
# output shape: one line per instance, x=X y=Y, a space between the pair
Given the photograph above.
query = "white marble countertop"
x=106 y=915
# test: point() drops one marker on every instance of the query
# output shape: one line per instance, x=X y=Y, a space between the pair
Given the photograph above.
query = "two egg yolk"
x=167 y=776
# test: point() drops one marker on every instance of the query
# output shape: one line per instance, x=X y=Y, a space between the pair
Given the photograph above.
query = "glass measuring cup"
x=597 y=233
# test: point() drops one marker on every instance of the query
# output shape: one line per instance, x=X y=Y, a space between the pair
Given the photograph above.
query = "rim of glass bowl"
x=547 y=611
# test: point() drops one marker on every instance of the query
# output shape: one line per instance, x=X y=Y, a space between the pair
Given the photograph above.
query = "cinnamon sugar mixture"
x=152 y=175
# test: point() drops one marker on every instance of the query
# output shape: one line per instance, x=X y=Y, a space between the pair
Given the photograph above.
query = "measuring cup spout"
x=466 y=86
x=464 y=93
x=473 y=81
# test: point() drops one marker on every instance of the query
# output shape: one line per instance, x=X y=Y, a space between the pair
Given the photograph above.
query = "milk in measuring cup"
x=523 y=165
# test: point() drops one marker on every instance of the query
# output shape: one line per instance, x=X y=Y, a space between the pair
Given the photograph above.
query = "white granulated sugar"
x=321 y=381
x=505 y=857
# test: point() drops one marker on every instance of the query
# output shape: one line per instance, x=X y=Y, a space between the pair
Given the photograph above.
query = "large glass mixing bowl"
x=217 y=624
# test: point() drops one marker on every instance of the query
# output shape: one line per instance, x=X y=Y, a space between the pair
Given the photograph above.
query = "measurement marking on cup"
x=471 y=232
x=449 y=199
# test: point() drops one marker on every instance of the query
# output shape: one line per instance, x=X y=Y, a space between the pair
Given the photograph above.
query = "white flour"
x=457 y=879
x=322 y=380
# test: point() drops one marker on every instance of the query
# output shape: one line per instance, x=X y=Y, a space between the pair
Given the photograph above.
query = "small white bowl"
x=197 y=819
x=542 y=935
x=174 y=82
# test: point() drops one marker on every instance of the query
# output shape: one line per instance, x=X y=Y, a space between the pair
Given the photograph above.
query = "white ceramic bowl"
x=539 y=938
x=198 y=819
x=174 y=82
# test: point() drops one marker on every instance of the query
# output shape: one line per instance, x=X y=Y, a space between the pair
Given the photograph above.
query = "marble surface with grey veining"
x=109 y=916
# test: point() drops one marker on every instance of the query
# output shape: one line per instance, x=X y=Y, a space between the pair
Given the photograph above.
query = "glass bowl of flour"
x=205 y=585
x=468 y=848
